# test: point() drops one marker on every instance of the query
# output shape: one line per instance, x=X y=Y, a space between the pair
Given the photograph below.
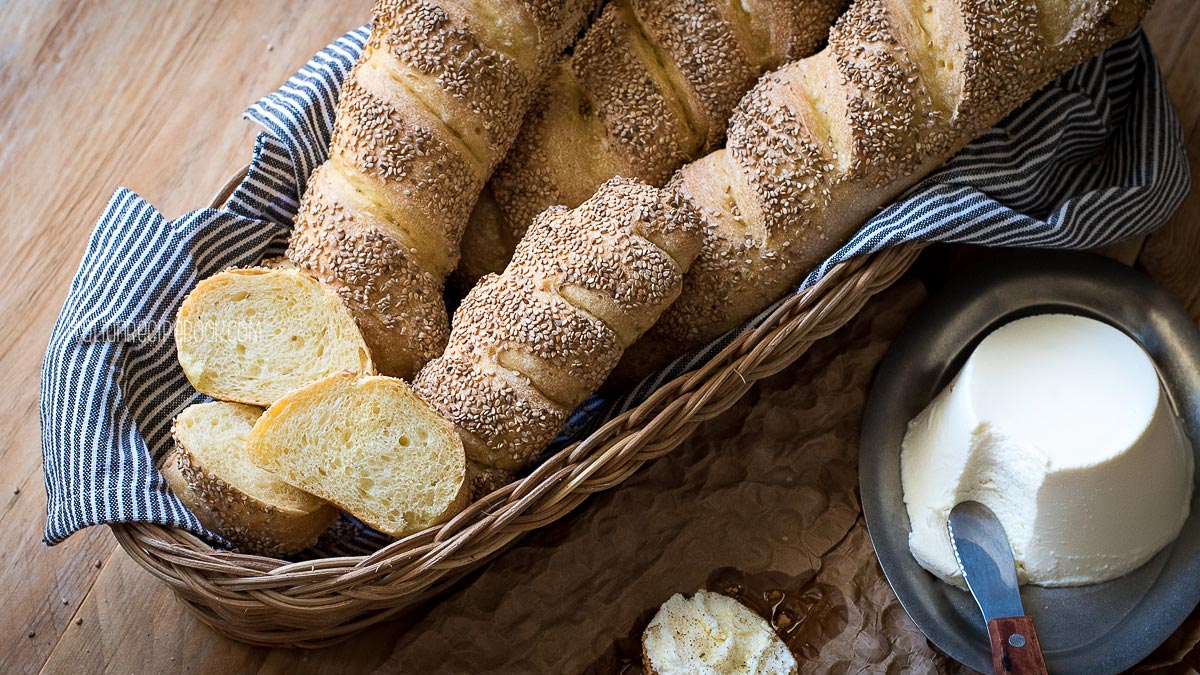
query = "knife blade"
x=985 y=557
x=981 y=547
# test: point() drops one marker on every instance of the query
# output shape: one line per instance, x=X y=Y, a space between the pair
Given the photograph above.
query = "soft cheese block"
x=1059 y=424
x=712 y=634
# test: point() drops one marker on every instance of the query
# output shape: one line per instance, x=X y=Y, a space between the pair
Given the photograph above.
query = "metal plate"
x=1103 y=628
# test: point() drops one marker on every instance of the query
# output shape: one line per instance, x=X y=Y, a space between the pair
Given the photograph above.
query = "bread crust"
x=249 y=523
x=369 y=445
x=484 y=480
x=531 y=344
x=819 y=145
x=648 y=87
x=425 y=114
x=396 y=304
x=435 y=51
x=429 y=109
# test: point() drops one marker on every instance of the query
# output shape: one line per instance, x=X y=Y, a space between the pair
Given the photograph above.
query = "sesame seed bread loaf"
x=822 y=143
x=369 y=445
x=649 y=86
x=530 y=344
x=252 y=335
x=432 y=105
x=211 y=473
x=424 y=116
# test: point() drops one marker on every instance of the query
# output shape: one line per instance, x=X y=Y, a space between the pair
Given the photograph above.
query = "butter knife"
x=985 y=556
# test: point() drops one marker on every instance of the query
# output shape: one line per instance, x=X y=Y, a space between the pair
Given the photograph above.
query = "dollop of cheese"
x=710 y=633
x=1060 y=425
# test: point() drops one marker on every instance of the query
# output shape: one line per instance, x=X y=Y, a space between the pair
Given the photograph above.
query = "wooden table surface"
x=148 y=94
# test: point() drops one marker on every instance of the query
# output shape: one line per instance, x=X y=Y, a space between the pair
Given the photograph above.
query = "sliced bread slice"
x=252 y=335
x=211 y=473
x=369 y=445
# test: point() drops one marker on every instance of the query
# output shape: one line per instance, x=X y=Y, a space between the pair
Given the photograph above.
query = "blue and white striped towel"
x=1094 y=158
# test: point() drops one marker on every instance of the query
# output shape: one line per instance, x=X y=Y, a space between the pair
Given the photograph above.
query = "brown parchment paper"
x=761 y=503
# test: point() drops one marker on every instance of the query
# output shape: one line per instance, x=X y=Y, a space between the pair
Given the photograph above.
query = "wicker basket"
x=271 y=602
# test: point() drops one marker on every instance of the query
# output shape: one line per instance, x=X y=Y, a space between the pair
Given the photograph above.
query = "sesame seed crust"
x=809 y=27
x=778 y=31
x=503 y=422
x=909 y=86
x=511 y=320
x=428 y=110
x=881 y=104
x=643 y=122
x=694 y=38
x=651 y=85
x=398 y=153
x=607 y=259
x=532 y=343
x=1073 y=34
x=525 y=184
x=486 y=88
x=1002 y=46
x=248 y=523
x=397 y=305
x=773 y=153
x=484 y=480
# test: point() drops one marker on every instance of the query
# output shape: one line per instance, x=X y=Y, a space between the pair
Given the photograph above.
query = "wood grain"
x=95 y=95
x=1016 y=649
x=1172 y=255
x=148 y=94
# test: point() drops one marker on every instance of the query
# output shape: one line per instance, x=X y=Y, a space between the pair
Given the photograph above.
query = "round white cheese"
x=1059 y=424
x=712 y=634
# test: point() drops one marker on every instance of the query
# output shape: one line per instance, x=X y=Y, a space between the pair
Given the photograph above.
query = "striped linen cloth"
x=1095 y=157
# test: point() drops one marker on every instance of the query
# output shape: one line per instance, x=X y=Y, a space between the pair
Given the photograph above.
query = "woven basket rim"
x=314 y=603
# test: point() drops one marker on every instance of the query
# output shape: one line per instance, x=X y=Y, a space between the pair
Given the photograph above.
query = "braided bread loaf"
x=429 y=109
x=819 y=145
x=529 y=345
x=650 y=86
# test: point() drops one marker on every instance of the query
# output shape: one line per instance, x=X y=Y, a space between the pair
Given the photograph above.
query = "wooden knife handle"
x=1015 y=646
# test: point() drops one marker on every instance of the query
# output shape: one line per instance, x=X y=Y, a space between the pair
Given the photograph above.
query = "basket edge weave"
x=317 y=603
